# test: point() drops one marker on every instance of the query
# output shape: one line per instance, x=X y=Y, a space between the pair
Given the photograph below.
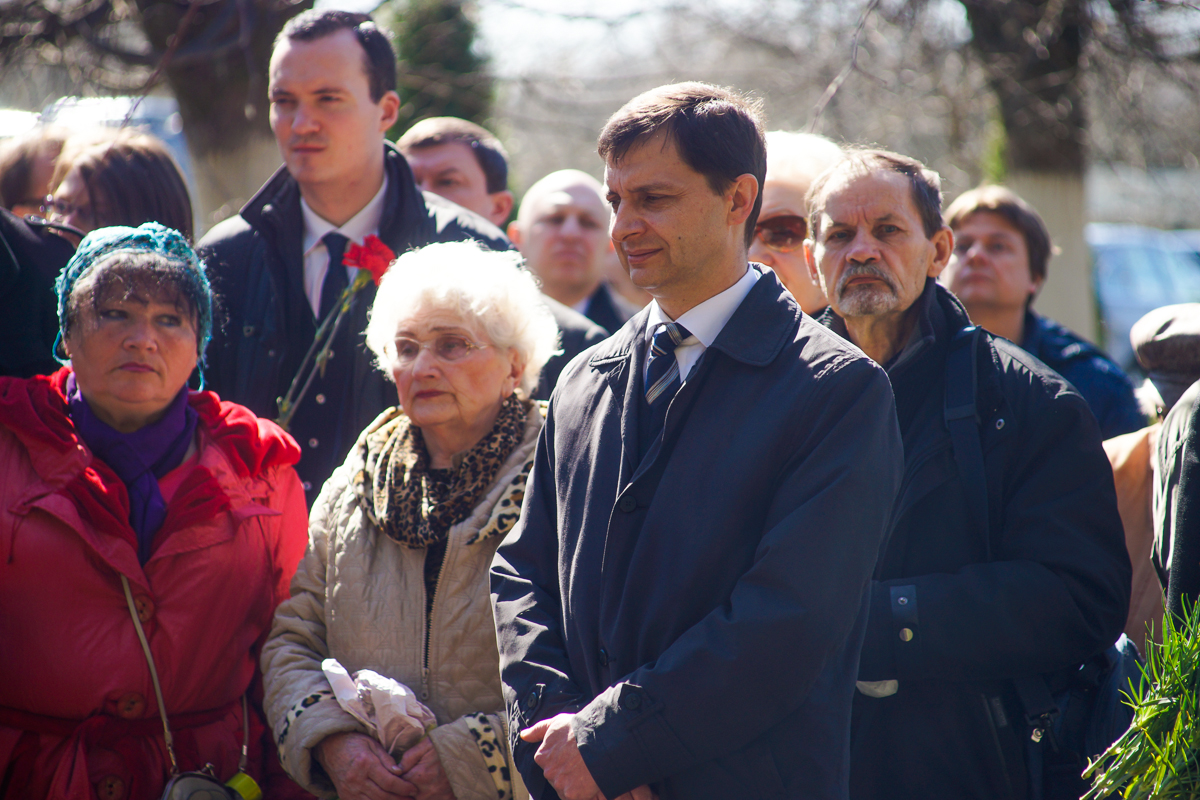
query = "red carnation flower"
x=372 y=255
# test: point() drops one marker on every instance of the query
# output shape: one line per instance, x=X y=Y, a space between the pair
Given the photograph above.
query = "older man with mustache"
x=1005 y=564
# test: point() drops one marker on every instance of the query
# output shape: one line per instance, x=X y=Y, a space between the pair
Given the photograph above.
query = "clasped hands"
x=558 y=756
x=361 y=769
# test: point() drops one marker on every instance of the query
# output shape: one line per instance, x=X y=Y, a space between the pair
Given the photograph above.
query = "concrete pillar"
x=1067 y=296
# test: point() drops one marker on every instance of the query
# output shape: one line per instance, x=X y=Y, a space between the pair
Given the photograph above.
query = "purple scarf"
x=139 y=458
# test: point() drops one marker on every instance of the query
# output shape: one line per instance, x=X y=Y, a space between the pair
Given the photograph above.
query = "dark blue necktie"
x=335 y=276
x=662 y=370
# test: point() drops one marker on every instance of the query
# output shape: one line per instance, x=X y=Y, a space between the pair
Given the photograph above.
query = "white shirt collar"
x=357 y=228
x=706 y=320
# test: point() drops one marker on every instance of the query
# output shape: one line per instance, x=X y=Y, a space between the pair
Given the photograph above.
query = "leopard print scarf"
x=416 y=505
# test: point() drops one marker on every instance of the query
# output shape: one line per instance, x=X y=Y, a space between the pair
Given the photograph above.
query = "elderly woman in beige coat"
x=395 y=579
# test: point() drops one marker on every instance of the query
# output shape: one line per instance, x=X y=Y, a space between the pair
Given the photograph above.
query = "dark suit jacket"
x=701 y=609
x=608 y=309
x=576 y=334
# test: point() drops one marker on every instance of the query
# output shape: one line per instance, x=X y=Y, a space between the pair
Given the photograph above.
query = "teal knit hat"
x=150 y=237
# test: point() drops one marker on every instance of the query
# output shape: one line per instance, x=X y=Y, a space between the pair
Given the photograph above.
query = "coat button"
x=110 y=788
x=632 y=702
x=270 y=354
x=247 y=331
x=320 y=399
x=906 y=634
x=531 y=700
x=627 y=503
x=131 y=706
x=602 y=656
x=313 y=442
x=145 y=608
x=307 y=486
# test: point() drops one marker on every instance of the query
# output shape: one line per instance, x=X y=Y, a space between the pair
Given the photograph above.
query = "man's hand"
x=558 y=756
x=361 y=769
x=421 y=767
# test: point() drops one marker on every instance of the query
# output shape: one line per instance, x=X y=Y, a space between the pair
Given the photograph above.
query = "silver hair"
x=799 y=157
x=484 y=288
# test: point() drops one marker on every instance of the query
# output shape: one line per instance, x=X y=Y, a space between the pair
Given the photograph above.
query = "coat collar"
x=757 y=332
x=744 y=338
x=941 y=316
x=91 y=499
x=276 y=206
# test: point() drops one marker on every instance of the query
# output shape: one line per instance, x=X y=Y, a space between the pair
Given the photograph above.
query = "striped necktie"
x=662 y=370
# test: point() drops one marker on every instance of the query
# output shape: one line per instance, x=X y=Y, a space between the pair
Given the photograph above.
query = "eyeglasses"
x=62 y=208
x=782 y=234
x=447 y=347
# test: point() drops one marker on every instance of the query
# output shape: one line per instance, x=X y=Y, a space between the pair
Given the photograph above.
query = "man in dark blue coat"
x=961 y=607
x=1001 y=250
x=680 y=608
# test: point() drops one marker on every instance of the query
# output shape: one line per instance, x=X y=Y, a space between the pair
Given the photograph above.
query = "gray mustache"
x=864 y=270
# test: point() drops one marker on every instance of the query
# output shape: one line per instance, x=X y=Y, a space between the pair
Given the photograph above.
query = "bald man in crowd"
x=793 y=161
x=562 y=230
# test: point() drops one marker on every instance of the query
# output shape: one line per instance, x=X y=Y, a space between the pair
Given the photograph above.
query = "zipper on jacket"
x=437 y=586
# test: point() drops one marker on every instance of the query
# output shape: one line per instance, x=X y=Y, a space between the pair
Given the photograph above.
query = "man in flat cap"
x=1167 y=344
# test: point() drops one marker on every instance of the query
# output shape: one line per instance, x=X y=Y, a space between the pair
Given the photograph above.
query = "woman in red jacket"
x=112 y=471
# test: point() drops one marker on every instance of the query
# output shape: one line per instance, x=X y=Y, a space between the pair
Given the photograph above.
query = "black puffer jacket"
x=31 y=257
x=1055 y=592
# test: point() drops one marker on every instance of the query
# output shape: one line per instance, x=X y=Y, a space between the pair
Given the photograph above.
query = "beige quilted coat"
x=359 y=597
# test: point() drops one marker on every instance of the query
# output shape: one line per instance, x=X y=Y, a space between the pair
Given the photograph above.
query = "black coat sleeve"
x=1184 y=585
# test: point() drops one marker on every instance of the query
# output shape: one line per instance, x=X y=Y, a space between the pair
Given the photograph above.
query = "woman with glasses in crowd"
x=793 y=161
x=124 y=177
x=402 y=535
x=131 y=506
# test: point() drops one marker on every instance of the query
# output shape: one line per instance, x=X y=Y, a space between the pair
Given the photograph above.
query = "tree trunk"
x=219 y=77
x=1031 y=50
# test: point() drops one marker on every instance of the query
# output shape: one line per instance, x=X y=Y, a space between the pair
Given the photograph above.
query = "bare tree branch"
x=837 y=82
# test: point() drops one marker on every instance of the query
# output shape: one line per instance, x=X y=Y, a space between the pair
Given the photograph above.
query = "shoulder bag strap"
x=158 y=695
x=962 y=419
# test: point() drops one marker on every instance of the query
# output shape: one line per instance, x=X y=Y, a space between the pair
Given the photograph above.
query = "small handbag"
x=202 y=785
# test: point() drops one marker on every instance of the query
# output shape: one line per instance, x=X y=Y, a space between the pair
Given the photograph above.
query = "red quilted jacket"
x=78 y=716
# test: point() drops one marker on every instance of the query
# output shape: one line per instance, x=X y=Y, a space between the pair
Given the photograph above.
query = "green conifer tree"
x=439 y=73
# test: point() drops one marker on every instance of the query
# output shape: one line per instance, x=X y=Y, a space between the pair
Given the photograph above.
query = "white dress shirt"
x=316 y=257
x=704 y=322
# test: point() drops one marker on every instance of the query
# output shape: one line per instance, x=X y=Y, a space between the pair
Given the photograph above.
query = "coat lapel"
x=618 y=360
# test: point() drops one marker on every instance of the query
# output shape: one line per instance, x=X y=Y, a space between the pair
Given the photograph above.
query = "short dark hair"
x=130 y=178
x=1008 y=204
x=925 y=183
x=491 y=155
x=379 y=59
x=717 y=131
